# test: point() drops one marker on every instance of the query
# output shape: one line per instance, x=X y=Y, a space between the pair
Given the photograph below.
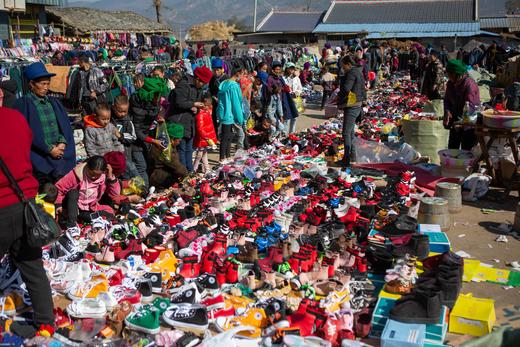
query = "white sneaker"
x=87 y=308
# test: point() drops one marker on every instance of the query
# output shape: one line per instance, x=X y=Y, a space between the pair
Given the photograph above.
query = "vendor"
x=166 y=172
x=459 y=90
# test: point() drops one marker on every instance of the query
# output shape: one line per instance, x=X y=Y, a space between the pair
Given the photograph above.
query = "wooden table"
x=481 y=132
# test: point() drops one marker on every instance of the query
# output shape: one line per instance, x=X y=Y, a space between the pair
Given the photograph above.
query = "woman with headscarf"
x=461 y=90
x=306 y=74
x=201 y=51
x=58 y=59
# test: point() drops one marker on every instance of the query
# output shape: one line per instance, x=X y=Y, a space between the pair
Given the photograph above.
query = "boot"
x=419 y=245
x=248 y=254
x=232 y=273
x=450 y=290
x=190 y=267
x=269 y=279
x=423 y=306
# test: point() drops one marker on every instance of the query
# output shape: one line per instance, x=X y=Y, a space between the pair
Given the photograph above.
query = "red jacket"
x=204 y=129
x=15 y=149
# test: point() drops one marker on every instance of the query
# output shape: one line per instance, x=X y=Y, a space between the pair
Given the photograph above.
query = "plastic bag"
x=250 y=123
x=298 y=102
x=136 y=185
x=368 y=152
x=161 y=134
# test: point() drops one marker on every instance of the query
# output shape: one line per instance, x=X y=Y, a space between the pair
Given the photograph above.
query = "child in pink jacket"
x=81 y=190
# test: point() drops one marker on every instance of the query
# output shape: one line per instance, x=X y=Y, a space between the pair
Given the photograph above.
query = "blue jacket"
x=40 y=156
x=229 y=109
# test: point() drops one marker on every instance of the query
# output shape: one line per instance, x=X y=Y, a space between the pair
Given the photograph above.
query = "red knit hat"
x=118 y=162
x=203 y=73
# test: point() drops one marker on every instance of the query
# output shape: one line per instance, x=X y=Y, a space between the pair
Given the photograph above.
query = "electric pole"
x=254 y=16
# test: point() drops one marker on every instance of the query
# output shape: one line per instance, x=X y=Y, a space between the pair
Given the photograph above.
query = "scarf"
x=153 y=87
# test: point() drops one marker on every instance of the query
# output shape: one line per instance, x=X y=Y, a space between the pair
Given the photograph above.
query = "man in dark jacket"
x=351 y=95
x=218 y=77
x=184 y=105
x=53 y=153
x=143 y=113
x=375 y=61
x=433 y=84
x=93 y=85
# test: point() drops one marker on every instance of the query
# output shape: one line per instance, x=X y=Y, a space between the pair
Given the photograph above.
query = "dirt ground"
x=472 y=231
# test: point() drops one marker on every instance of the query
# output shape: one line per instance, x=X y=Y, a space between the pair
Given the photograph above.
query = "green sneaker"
x=145 y=320
x=159 y=304
x=286 y=271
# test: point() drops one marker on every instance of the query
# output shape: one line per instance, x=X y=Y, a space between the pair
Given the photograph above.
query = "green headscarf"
x=456 y=66
x=175 y=131
x=103 y=52
x=153 y=87
x=118 y=53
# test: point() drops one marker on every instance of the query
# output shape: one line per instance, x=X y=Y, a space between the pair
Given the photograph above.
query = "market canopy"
x=88 y=20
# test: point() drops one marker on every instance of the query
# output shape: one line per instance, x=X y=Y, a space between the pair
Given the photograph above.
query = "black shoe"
x=156 y=280
x=379 y=259
x=25 y=331
x=187 y=294
x=144 y=287
x=187 y=316
x=423 y=306
x=92 y=248
x=188 y=340
x=419 y=246
x=207 y=282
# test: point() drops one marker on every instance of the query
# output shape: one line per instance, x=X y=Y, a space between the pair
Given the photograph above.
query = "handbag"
x=351 y=99
x=41 y=228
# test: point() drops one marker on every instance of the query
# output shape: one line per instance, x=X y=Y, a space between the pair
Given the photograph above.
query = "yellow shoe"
x=166 y=262
x=11 y=303
x=89 y=289
x=237 y=302
x=254 y=317
x=334 y=301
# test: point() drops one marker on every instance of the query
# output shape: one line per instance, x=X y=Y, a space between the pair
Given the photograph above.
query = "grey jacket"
x=100 y=141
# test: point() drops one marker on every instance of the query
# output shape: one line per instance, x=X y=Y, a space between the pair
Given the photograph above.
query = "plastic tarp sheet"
x=426 y=136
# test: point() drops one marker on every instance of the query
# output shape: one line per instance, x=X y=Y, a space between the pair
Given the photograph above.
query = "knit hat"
x=276 y=64
x=203 y=73
x=306 y=65
x=153 y=87
x=456 y=66
x=290 y=65
x=175 y=131
x=328 y=45
x=118 y=53
x=263 y=76
x=217 y=63
x=117 y=161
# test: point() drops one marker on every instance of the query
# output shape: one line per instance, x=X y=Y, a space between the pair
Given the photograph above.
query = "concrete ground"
x=472 y=231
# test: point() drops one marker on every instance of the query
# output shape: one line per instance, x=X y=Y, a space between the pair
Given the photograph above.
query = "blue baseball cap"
x=36 y=71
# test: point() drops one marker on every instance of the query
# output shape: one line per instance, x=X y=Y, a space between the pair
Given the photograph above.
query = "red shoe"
x=224 y=312
x=351 y=216
x=214 y=303
x=274 y=256
x=303 y=321
x=232 y=273
x=122 y=293
x=115 y=276
x=219 y=246
x=134 y=247
x=209 y=263
x=150 y=255
x=330 y=330
x=61 y=319
x=221 y=275
x=346 y=335
x=190 y=267
x=362 y=323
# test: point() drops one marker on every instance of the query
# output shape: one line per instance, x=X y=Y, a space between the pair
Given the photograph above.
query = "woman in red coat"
x=205 y=136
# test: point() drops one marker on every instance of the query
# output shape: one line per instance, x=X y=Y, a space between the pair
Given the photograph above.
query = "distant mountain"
x=186 y=13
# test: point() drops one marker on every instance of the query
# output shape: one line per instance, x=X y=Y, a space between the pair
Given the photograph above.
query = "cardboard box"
x=472 y=316
x=397 y=334
x=436 y=228
x=434 y=333
x=439 y=242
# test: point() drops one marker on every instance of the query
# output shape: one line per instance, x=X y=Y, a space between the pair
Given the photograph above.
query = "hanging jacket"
x=204 y=129
x=229 y=109
x=96 y=81
x=90 y=192
x=99 y=140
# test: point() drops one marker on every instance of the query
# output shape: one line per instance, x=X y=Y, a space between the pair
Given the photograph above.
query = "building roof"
x=88 y=20
x=492 y=8
x=507 y=22
x=283 y=21
x=397 y=27
x=400 y=11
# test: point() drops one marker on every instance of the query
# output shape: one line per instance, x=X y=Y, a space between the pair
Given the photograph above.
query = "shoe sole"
x=141 y=329
x=146 y=299
x=184 y=326
x=83 y=316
